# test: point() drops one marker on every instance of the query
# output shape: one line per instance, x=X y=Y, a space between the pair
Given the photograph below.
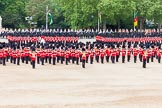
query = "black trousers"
x=14 y=60
x=4 y=61
x=11 y=59
x=87 y=59
x=26 y=59
x=159 y=59
x=140 y=57
x=62 y=59
x=38 y=58
x=22 y=59
x=73 y=60
x=128 y=58
x=117 y=58
x=91 y=60
x=144 y=63
x=49 y=59
x=67 y=60
x=102 y=60
x=152 y=58
x=54 y=61
x=135 y=59
x=113 y=59
x=42 y=59
x=107 y=58
x=7 y=58
x=58 y=59
x=46 y=59
x=77 y=61
x=83 y=63
x=33 y=64
x=148 y=59
x=18 y=61
x=97 y=59
x=80 y=58
x=123 y=59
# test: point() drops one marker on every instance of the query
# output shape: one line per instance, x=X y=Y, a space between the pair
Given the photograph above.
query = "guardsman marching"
x=33 y=59
x=135 y=53
x=67 y=57
x=54 y=55
x=102 y=54
x=77 y=57
x=18 y=57
x=113 y=54
x=117 y=54
x=144 y=57
x=107 y=51
x=123 y=55
x=4 y=57
x=128 y=54
x=159 y=55
x=83 y=58
x=91 y=56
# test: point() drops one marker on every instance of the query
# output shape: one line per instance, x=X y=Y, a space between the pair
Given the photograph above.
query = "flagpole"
x=133 y=21
x=98 y=22
x=46 y=17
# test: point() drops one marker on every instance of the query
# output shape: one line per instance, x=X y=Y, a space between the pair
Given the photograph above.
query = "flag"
x=51 y=18
x=135 y=19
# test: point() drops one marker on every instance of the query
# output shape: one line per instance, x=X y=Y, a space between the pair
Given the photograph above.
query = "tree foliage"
x=80 y=13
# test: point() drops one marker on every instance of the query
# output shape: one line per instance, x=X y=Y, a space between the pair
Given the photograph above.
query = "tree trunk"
x=141 y=24
x=118 y=25
x=159 y=26
x=104 y=25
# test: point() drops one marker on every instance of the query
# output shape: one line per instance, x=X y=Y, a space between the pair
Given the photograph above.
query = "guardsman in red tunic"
x=87 y=56
x=123 y=55
x=49 y=56
x=42 y=55
x=1 y=56
x=38 y=55
x=135 y=53
x=22 y=56
x=107 y=51
x=58 y=55
x=18 y=57
x=83 y=59
x=10 y=53
x=54 y=55
x=152 y=55
x=67 y=57
x=113 y=54
x=62 y=56
x=128 y=55
x=33 y=59
x=14 y=56
x=80 y=56
x=4 y=57
x=117 y=55
x=77 y=57
x=73 y=56
x=144 y=59
x=97 y=55
x=7 y=54
x=91 y=57
x=141 y=52
x=46 y=56
x=102 y=55
x=149 y=55
x=26 y=55
x=159 y=55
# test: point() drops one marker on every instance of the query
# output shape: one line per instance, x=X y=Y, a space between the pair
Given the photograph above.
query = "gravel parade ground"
x=99 y=85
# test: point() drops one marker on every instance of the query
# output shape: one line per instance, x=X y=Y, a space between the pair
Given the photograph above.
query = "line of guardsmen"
x=53 y=53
